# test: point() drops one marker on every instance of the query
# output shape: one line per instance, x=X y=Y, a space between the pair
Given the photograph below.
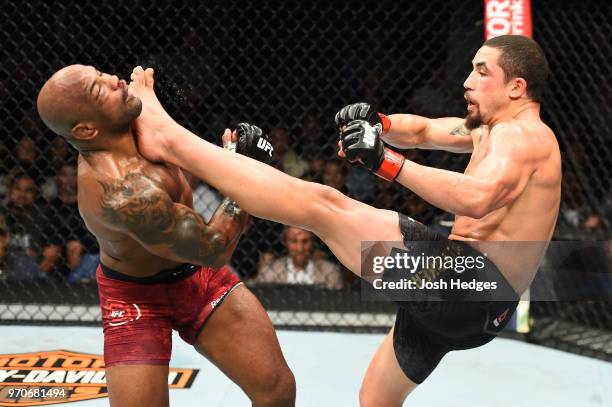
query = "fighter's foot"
x=153 y=124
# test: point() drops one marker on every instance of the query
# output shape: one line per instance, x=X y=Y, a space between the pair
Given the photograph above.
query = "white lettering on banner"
x=504 y=17
x=4 y=374
x=517 y=17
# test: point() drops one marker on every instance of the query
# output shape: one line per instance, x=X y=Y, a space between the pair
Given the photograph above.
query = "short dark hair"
x=522 y=57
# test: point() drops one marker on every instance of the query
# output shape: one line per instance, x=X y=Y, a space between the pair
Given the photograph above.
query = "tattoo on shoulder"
x=138 y=204
x=461 y=130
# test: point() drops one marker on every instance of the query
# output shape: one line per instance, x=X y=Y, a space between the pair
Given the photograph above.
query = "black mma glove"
x=253 y=143
x=361 y=141
x=361 y=111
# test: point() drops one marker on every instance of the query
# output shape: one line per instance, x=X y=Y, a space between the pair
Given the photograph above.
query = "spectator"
x=286 y=159
x=58 y=154
x=315 y=171
x=25 y=159
x=23 y=215
x=14 y=262
x=334 y=174
x=63 y=221
x=361 y=183
x=5 y=239
x=299 y=266
x=82 y=265
x=4 y=166
x=311 y=140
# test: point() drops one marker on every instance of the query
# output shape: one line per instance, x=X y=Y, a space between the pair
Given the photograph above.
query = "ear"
x=518 y=88
x=84 y=131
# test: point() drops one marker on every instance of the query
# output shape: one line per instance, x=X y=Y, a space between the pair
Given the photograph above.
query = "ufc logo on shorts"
x=497 y=321
x=120 y=313
x=264 y=145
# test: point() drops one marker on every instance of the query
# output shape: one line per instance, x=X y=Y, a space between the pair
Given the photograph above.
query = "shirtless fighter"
x=510 y=191
x=161 y=264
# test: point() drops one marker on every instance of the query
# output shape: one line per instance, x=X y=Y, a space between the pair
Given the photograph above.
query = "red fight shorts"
x=138 y=314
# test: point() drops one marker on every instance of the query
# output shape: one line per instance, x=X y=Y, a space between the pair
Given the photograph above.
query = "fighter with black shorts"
x=427 y=329
x=509 y=192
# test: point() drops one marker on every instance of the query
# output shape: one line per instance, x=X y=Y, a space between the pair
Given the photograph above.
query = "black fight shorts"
x=427 y=330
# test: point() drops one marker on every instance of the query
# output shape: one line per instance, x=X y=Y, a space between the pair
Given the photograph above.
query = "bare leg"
x=137 y=385
x=341 y=222
x=385 y=384
x=240 y=340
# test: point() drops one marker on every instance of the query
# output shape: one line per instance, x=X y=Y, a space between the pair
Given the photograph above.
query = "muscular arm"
x=137 y=206
x=411 y=131
x=495 y=182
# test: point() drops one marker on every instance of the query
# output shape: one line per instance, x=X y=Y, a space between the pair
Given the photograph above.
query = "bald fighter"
x=510 y=191
x=162 y=265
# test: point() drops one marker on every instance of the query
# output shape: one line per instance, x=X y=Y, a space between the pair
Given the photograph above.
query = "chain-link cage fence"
x=287 y=67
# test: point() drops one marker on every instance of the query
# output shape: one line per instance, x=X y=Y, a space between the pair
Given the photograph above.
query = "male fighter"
x=159 y=258
x=510 y=191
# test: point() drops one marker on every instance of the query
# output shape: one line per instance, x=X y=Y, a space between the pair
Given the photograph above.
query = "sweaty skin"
x=140 y=211
x=510 y=190
x=158 y=210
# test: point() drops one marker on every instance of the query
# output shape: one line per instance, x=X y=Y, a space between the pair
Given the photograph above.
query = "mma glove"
x=361 y=141
x=253 y=143
x=361 y=111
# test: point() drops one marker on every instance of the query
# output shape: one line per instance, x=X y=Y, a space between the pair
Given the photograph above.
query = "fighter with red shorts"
x=161 y=263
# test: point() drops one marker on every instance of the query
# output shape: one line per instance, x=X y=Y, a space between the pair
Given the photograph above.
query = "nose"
x=114 y=80
x=468 y=84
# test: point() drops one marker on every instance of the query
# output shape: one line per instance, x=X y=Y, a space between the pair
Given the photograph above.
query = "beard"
x=473 y=121
x=133 y=106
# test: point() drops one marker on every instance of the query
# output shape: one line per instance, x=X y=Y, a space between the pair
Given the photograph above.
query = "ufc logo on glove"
x=265 y=145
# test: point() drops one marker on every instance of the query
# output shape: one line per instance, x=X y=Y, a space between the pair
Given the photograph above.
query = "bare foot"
x=153 y=126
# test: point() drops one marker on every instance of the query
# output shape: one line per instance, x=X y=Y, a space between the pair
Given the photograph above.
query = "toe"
x=137 y=77
x=148 y=75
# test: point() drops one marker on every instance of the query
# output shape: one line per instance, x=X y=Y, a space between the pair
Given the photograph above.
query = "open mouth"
x=470 y=103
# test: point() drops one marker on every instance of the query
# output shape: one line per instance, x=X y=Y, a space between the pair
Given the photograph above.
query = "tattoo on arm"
x=230 y=208
x=139 y=206
x=461 y=130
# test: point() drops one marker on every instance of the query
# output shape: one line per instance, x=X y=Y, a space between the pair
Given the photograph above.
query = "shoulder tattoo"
x=137 y=204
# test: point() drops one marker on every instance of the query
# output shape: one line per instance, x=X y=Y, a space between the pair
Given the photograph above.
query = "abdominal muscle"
x=132 y=259
x=514 y=237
